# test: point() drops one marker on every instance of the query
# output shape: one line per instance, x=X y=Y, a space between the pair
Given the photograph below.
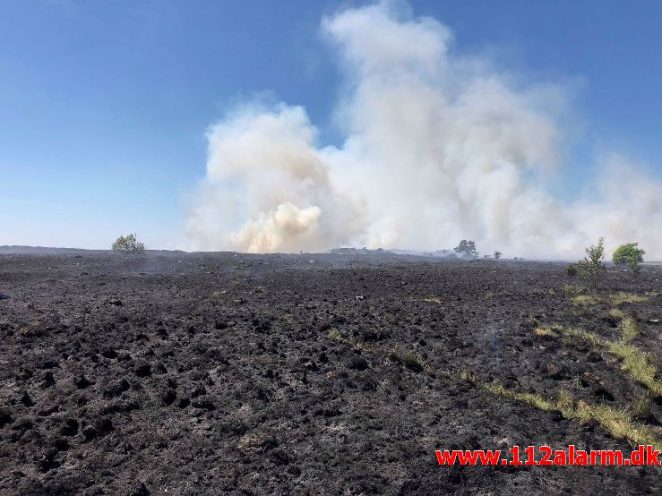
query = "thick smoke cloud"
x=438 y=148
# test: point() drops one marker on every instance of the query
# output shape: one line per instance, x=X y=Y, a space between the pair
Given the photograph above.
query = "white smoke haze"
x=438 y=148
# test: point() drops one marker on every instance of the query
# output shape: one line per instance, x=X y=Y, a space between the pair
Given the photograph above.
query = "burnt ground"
x=312 y=374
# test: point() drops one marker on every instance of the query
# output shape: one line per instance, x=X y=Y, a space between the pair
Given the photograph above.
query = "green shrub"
x=591 y=268
x=128 y=244
x=629 y=255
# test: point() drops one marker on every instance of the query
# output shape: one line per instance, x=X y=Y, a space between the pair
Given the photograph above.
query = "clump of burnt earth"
x=176 y=373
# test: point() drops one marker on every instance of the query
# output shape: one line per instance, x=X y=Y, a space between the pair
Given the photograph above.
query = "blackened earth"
x=175 y=373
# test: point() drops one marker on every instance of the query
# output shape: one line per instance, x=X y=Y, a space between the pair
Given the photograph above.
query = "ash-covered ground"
x=174 y=373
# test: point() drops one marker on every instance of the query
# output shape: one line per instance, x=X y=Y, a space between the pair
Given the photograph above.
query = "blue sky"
x=104 y=105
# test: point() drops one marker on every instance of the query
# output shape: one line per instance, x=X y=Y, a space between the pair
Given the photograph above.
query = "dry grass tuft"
x=468 y=375
x=621 y=297
x=544 y=331
x=432 y=300
x=412 y=361
x=642 y=407
x=637 y=365
x=629 y=329
x=585 y=300
x=616 y=314
x=535 y=400
x=618 y=423
x=334 y=335
x=572 y=289
x=595 y=341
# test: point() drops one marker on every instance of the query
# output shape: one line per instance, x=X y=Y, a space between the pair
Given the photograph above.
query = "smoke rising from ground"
x=438 y=148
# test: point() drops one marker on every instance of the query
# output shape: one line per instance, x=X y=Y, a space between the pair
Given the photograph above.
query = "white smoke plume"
x=438 y=148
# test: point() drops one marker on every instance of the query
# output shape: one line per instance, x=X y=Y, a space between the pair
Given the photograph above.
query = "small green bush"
x=128 y=244
x=629 y=255
x=591 y=268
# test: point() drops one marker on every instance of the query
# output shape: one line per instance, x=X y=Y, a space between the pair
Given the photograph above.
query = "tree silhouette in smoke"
x=466 y=249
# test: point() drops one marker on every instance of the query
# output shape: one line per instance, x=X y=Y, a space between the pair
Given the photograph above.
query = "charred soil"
x=174 y=373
